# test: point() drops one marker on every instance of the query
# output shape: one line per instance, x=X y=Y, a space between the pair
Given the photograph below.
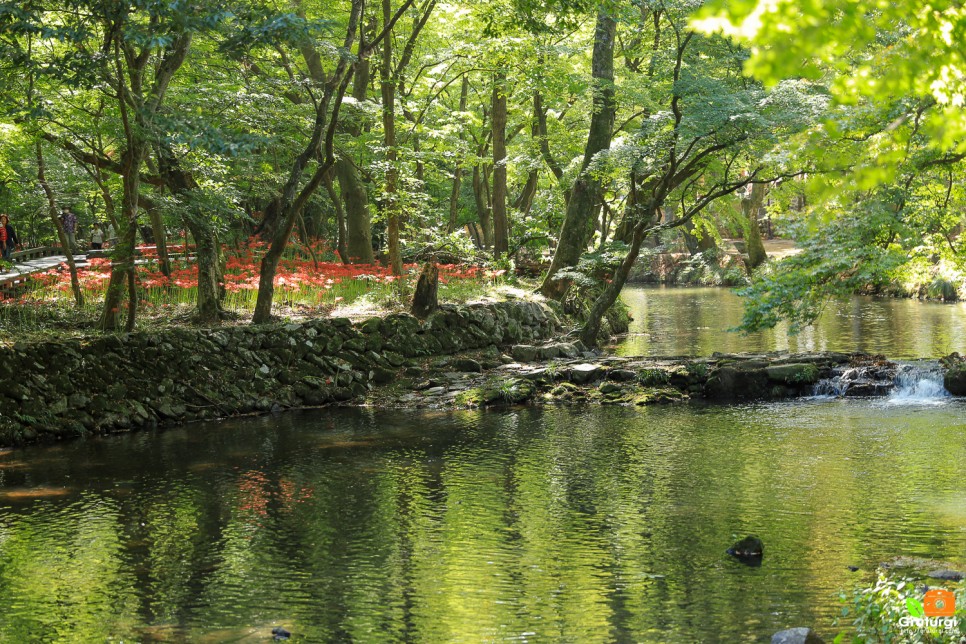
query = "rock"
x=584 y=373
x=729 y=383
x=800 y=635
x=608 y=388
x=382 y=376
x=467 y=365
x=524 y=353
x=947 y=575
x=793 y=374
x=955 y=380
x=749 y=550
x=279 y=633
x=621 y=375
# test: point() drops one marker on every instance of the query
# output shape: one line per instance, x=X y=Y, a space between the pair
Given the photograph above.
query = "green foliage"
x=653 y=377
x=875 y=613
x=596 y=267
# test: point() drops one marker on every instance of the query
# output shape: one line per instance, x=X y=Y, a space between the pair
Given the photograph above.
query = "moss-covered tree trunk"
x=750 y=206
x=578 y=226
x=501 y=240
x=481 y=195
x=391 y=201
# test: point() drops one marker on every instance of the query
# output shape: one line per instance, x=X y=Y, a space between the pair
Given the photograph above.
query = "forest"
x=398 y=281
x=556 y=138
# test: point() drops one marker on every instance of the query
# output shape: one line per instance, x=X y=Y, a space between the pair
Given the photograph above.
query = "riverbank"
x=460 y=357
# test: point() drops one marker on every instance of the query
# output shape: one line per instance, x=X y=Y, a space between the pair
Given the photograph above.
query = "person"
x=97 y=237
x=3 y=236
x=110 y=235
x=69 y=220
x=11 y=241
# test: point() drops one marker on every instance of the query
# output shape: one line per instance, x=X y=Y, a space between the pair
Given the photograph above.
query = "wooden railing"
x=36 y=253
x=11 y=280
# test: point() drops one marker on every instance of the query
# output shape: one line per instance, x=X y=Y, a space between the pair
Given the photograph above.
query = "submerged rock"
x=748 y=551
x=947 y=575
x=800 y=635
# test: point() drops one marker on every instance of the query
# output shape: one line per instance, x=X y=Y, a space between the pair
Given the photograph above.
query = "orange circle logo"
x=939 y=603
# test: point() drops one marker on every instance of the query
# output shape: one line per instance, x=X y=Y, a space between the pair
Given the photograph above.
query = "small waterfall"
x=919 y=384
x=865 y=380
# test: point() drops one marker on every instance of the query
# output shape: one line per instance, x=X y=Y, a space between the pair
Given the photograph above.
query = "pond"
x=579 y=524
x=696 y=321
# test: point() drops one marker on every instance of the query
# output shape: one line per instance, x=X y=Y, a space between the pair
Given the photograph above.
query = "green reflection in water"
x=695 y=321
x=564 y=524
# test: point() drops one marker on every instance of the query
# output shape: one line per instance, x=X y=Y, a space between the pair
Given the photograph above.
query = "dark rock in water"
x=955 y=380
x=854 y=568
x=947 y=575
x=800 y=635
x=279 y=633
x=748 y=551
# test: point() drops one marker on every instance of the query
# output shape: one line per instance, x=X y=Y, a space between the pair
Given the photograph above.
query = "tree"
x=585 y=194
x=894 y=133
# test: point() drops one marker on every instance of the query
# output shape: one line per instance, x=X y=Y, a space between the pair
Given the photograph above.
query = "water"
x=695 y=321
x=580 y=524
x=574 y=524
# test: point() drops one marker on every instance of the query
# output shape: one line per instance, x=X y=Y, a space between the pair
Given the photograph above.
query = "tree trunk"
x=157 y=229
x=425 y=298
x=578 y=226
x=55 y=219
x=750 y=206
x=208 y=308
x=122 y=260
x=591 y=328
x=501 y=241
x=391 y=201
x=358 y=221
x=208 y=252
x=454 y=197
x=341 y=245
x=481 y=196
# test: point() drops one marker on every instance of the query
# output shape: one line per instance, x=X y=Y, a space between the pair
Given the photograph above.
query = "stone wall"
x=111 y=383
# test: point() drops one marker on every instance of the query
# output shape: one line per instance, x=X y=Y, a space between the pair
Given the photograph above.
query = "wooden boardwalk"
x=31 y=261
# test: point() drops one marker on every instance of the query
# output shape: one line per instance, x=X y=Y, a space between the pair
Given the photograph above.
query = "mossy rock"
x=469 y=398
x=658 y=395
x=793 y=374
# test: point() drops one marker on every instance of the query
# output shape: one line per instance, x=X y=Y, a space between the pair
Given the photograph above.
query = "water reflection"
x=585 y=525
x=695 y=321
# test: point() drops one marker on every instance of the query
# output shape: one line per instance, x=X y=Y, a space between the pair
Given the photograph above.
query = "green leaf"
x=915 y=607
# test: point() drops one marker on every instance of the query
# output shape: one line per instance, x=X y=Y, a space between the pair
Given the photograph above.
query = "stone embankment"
x=54 y=390
x=460 y=357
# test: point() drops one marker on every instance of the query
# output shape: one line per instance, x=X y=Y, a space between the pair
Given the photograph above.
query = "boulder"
x=955 y=380
x=467 y=365
x=524 y=352
x=584 y=373
x=729 y=383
